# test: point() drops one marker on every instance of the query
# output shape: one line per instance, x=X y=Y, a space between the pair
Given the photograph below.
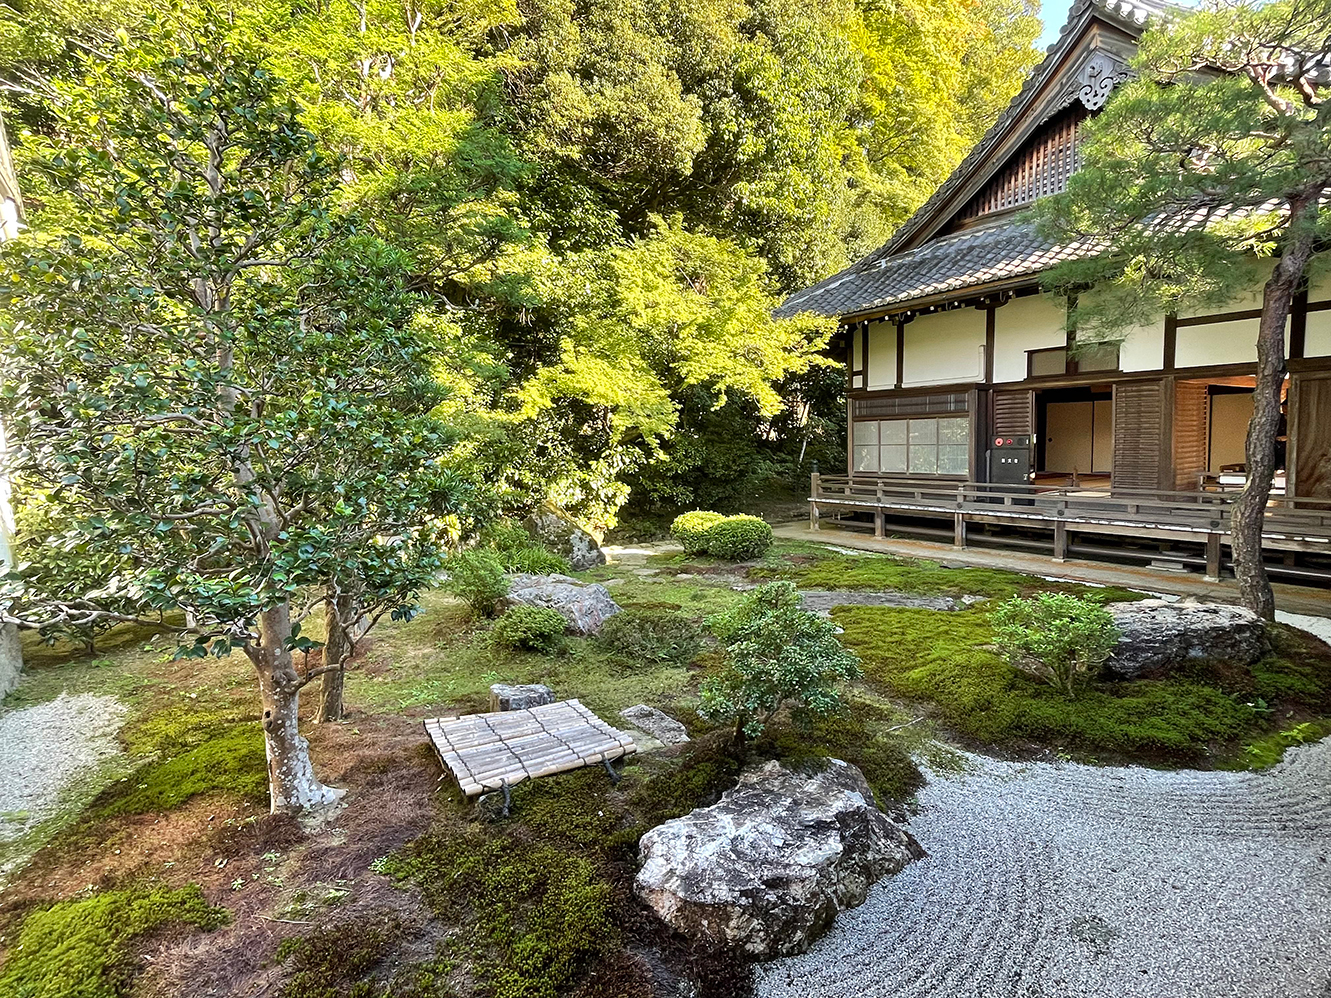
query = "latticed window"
x=928 y=446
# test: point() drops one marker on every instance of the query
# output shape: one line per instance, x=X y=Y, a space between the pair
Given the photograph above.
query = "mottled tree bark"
x=337 y=649
x=293 y=787
x=1249 y=512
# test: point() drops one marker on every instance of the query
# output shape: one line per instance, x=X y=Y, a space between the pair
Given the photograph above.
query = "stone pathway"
x=1071 y=881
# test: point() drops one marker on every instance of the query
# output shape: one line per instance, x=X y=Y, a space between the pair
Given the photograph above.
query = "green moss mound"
x=83 y=948
x=353 y=959
x=535 y=915
x=230 y=760
x=947 y=659
x=876 y=573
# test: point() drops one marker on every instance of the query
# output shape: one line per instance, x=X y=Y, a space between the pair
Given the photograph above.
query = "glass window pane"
x=866 y=432
x=923 y=431
x=893 y=457
x=953 y=459
x=954 y=431
x=1098 y=357
x=866 y=458
x=892 y=431
x=923 y=458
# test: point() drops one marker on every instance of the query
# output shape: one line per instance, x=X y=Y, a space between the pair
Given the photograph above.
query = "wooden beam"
x=990 y=337
x=1060 y=541
x=1171 y=342
x=1298 y=325
x=1212 y=557
x=901 y=353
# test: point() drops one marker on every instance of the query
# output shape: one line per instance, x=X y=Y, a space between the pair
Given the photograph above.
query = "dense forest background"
x=601 y=201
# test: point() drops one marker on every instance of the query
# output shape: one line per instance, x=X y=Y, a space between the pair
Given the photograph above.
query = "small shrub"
x=530 y=628
x=652 y=635
x=518 y=551
x=691 y=529
x=81 y=947
x=777 y=654
x=739 y=538
x=1056 y=636
x=477 y=578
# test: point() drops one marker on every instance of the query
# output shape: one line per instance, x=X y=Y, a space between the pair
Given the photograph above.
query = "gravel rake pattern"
x=1073 y=881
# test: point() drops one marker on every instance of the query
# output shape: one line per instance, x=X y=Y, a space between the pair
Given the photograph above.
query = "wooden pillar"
x=1212 y=557
x=879 y=529
x=813 y=500
x=1060 y=541
x=959 y=529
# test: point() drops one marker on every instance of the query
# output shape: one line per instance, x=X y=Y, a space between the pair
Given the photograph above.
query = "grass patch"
x=947 y=660
x=82 y=948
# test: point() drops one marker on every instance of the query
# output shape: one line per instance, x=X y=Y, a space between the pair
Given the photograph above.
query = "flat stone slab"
x=498 y=749
x=505 y=696
x=660 y=725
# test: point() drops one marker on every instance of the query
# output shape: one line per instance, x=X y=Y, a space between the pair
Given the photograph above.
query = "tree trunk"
x=337 y=648
x=292 y=784
x=1250 y=509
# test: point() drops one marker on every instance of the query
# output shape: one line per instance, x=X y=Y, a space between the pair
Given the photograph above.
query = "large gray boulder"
x=1157 y=637
x=556 y=530
x=585 y=605
x=767 y=869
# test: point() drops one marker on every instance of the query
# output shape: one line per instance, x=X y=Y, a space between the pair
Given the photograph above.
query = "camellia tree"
x=208 y=375
x=1217 y=154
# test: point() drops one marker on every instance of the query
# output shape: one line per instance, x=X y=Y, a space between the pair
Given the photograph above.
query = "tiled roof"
x=996 y=252
x=977 y=256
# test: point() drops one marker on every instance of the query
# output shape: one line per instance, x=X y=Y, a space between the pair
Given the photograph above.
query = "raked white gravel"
x=1069 y=881
x=47 y=751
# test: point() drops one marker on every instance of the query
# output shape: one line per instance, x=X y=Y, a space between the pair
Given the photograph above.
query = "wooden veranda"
x=1293 y=525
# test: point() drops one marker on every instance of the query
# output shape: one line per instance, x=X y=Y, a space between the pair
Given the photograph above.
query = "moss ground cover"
x=81 y=948
x=947 y=660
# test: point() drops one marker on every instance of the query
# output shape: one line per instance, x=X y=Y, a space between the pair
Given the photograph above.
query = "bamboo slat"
x=492 y=750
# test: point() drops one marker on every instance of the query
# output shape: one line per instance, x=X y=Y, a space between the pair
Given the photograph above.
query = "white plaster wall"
x=882 y=355
x=1144 y=348
x=944 y=348
x=1217 y=343
x=1025 y=324
x=1317 y=342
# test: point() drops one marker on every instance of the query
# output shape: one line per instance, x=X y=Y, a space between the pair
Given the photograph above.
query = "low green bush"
x=691 y=529
x=1056 y=636
x=652 y=635
x=739 y=538
x=518 y=551
x=530 y=628
x=477 y=578
x=81 y=948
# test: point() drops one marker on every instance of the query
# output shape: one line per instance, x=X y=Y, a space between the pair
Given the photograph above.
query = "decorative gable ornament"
x=1098 y=78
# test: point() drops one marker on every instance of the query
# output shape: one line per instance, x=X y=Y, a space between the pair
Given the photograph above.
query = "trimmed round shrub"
x=692 y=529
x=739 y=538
x=653 y=635
x=530 y=628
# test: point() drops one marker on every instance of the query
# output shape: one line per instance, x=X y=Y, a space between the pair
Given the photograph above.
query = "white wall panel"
x=1317 y=342
x=882 y=355
x=1025 y=324
x=944 y=348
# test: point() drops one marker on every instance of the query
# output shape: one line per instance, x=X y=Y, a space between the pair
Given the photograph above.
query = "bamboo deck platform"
x=495 y=751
